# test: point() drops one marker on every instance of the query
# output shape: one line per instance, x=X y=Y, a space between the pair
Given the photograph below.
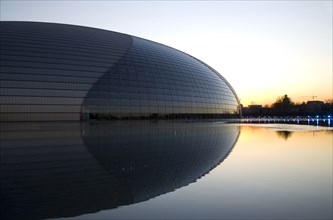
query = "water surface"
x=163 y=170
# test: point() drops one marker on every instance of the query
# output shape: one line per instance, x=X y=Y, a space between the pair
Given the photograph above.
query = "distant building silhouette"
x=314 y=106
x=304 y=109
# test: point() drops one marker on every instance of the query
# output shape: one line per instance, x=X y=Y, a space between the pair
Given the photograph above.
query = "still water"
x=164 y=170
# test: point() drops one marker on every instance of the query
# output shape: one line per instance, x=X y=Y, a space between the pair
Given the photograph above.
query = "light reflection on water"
x=145 y=170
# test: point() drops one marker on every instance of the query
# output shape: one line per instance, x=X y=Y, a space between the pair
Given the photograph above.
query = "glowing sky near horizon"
x=265 y=49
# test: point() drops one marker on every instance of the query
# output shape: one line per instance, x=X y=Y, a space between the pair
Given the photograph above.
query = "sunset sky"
x=265 y=49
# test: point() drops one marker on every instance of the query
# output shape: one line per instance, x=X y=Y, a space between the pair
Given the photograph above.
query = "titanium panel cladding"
x=58 y=72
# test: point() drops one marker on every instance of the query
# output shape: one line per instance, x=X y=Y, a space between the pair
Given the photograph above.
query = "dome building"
x=59 y=72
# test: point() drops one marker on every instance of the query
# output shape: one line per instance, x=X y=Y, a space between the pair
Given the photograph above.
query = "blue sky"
x=264 y=49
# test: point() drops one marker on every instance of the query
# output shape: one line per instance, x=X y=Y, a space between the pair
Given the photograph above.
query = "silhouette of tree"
x=283 y=105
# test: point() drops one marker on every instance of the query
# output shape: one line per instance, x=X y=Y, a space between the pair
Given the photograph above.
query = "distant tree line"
x=284 y=106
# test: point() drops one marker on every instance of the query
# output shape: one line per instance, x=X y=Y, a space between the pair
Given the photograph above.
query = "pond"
x=165 y=170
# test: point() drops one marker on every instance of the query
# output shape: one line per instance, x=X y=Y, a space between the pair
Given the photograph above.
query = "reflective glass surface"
x=156 y=81
x=66 y=72
x=46 y=70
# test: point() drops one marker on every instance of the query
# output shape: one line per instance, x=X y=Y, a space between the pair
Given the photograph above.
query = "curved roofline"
x=219 y=75
x=66 y=24
x=101 y=29
x=131 y=37
x=205 y=64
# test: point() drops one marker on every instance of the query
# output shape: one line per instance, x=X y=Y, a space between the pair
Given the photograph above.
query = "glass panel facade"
x=46 y=70
x=155 y=81
x=87 y=73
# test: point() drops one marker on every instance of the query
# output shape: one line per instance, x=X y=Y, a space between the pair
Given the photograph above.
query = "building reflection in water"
x=50 y=170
